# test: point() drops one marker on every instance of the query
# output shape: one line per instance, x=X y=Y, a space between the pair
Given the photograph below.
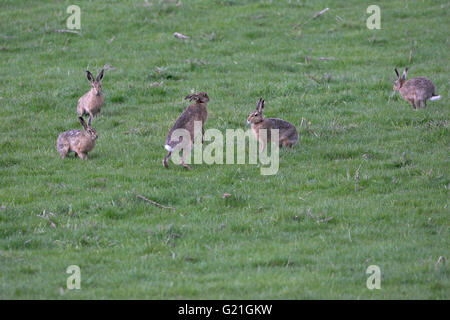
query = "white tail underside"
x=168 y=148
x=435 y=98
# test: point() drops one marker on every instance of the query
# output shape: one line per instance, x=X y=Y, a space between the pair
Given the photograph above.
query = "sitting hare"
x=80 y=142
x=92 y=101
x=416 y=90
x=288 y=135
x=195 y=112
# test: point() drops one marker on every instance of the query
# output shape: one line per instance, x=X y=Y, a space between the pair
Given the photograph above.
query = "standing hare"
x=416 y=90
x=196 y=112
x=92 y=101
x=288 y=135
x=80 y=142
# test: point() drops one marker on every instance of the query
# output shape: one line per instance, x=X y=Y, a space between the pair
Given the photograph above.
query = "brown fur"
x=195 y=112
x=92 y=101
x=80 y=142
x=288 y=135
x=416 y=90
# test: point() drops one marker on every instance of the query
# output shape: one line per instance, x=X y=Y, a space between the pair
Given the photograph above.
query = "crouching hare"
x=92 y=101
x=416 y=90
x=80 y=142
x=288 y=135
x=195 y=112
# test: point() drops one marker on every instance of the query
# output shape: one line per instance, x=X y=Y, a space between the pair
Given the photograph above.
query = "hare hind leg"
x=416 y=104
x=185 y=165
x=63 y=148
x=424 y=103
x=63 y=152
x=166 y=159
x=82 y=111
x=186 y=152
x=286 y=143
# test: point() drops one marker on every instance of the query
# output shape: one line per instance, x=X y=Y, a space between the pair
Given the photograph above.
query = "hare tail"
x=168 y=148
x=433 y=98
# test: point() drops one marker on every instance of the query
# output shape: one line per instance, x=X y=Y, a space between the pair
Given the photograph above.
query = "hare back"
x=280 y=124
x=286 y=130
x=186 y=121
x=69 y=135
x=76 y=140
x=420 y=87
x=65 y=138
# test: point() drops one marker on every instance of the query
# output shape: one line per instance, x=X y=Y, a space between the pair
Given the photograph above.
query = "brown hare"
x=416 y=90
x=195 y=112
x=80 y=142
x=288 y=135
x=92 y=101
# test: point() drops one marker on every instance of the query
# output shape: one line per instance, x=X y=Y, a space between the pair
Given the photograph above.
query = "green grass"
x=273 y=238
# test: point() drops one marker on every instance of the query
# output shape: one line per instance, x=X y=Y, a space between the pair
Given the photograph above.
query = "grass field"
x=368 y=186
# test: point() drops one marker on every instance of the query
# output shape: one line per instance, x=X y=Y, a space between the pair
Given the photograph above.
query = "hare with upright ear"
x=288 y=135
x=92 y=101
x=80 y=142
x=416 y=90
x=196 y=112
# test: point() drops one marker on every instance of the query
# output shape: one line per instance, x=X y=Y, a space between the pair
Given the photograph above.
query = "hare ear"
x=396 y=72
x=263 y=104
x=89 y=76
x=83 y=123
x=258 y=104
x=192 y=97
x=404 y=73
x=100 y=76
